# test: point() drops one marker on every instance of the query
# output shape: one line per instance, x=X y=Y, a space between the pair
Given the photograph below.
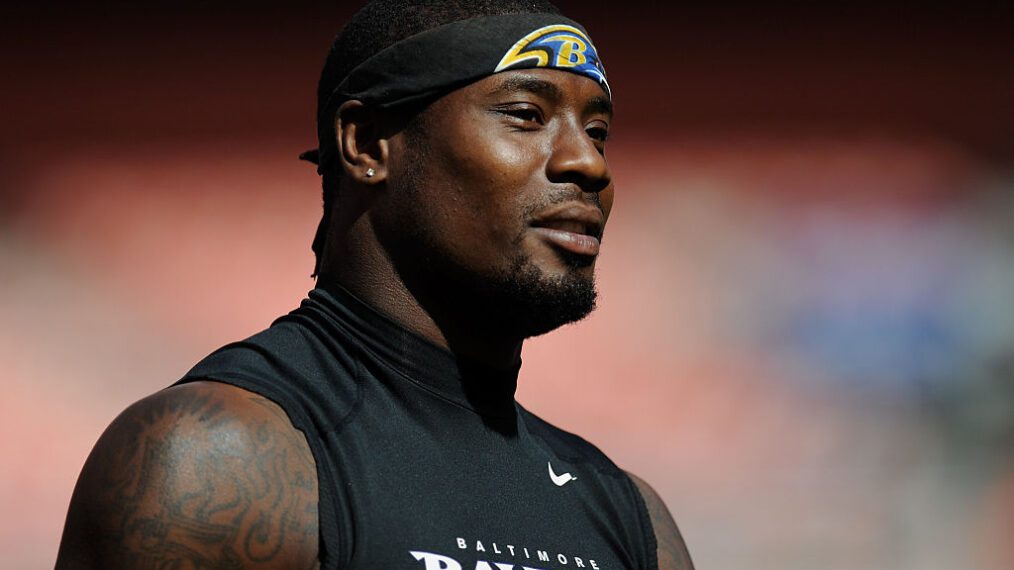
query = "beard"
x=517 y=300
x=523 y=302
x=526 y=302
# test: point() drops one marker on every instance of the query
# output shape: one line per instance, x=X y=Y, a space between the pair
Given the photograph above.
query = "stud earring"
x=370 y=172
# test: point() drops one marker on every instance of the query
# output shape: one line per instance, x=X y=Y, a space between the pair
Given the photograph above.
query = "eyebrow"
x=600 y=105
x=532 y=85
x=550 y=91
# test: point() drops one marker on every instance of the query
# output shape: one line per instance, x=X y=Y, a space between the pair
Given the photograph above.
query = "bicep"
x=197 y=476
x=672 y=550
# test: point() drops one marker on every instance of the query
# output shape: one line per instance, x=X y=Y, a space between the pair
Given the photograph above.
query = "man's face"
x=498 y=194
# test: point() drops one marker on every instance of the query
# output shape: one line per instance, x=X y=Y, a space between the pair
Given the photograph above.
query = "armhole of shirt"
x=647 y=528
x=327 y=517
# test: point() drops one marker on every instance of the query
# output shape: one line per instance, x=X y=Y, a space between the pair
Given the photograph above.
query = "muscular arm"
x=672 y=551
x=197 y=476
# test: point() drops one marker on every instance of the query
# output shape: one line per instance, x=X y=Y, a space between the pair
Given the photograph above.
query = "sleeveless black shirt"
x=427 y=464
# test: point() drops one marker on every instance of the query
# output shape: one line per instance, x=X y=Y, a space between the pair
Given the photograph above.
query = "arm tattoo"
x=188 y=484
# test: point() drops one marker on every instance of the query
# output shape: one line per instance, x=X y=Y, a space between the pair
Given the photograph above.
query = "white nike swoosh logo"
x=559 y=480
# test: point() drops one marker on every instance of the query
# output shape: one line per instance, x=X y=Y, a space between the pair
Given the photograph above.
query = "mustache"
x=562 y=196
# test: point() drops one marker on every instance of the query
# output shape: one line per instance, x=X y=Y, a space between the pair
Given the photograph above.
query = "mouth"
x=576 y=229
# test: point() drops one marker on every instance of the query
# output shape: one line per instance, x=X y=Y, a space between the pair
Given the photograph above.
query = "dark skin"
x=197 y=476
x=207 y=475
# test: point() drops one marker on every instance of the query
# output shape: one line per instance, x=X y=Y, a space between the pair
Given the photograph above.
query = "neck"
x=362 y=267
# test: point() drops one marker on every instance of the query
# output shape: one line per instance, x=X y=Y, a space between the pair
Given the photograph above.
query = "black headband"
x=439 y=60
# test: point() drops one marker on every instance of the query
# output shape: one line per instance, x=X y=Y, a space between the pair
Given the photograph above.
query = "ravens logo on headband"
x=558 y=46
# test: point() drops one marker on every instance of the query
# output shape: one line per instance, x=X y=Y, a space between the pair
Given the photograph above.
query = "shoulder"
x=672 y=550
x=200 y=475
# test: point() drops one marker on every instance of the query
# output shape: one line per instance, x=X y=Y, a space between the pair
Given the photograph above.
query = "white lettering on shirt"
x=436 y=561
x=483 y=565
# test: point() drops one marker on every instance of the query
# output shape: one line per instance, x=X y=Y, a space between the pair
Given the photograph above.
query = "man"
x=465 y=190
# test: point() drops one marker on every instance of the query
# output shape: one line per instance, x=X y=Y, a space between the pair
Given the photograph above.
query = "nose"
x=576 y=160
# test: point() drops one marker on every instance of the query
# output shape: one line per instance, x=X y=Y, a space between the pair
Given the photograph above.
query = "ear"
x=362 y=148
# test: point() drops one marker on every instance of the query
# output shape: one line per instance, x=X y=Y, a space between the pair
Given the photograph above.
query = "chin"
x=530 y=301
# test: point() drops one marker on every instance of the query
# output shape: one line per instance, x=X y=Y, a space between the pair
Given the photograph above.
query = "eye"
x=598 y=132
x=523 y=115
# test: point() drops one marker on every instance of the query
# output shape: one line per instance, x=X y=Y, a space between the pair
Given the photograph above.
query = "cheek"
x=489 y=184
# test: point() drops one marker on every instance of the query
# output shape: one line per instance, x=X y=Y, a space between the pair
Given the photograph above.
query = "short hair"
x=376 y=26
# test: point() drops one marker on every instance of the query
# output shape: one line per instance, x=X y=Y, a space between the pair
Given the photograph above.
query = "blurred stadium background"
x=806 y=334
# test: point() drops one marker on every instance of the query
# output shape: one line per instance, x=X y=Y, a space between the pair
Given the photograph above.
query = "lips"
x=574 y=228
